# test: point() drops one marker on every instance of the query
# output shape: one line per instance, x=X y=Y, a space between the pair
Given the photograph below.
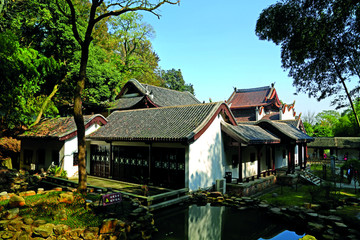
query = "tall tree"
x=173 y=79
x=320 y=43
x=134 y=54
x=99 y=11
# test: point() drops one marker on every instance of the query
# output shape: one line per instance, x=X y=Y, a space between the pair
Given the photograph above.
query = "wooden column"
x=273 y=157
x=240 y=163
x=293 y=159
x=258 y=153
x=306 y=155
x=288 y=149
x=111 y=161
x=300 y=155
x=150 y=152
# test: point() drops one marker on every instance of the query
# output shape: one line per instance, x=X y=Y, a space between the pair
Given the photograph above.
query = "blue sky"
x=215 y=46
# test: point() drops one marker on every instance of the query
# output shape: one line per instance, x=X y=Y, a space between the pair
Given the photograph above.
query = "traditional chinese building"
x=135 y=95
x=254 y=104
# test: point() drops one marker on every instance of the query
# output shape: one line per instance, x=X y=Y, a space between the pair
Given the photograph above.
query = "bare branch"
x=127 y=8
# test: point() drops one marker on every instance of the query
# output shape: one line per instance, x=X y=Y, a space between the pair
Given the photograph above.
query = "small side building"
x=54 y=141
x=343 y=148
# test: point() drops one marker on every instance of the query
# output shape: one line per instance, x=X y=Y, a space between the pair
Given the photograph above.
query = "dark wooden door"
x=168 y=167
x=100 y=161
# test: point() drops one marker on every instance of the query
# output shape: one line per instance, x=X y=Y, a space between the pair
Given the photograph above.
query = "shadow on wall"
x=212 y=166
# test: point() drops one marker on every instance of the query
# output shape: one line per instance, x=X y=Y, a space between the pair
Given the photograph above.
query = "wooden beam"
x=240 y=163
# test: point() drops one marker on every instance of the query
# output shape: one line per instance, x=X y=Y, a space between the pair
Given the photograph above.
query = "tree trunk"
x=46 y=102
x=351 y=102
x=79 y=120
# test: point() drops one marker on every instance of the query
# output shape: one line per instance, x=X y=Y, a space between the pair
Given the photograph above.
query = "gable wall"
x=206 y=158
x=70 y=147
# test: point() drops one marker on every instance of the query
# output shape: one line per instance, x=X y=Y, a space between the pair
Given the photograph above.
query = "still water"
x=217 y=223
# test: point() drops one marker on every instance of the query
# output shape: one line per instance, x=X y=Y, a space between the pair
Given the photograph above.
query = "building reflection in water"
x=217 y=223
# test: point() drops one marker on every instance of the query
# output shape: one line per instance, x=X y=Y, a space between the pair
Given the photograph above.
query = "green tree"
x=173 y=79
x=20 y=100
x=308 y=129
x=134 y=54
x=346 y=126
x=98 y=12
x=319 y=44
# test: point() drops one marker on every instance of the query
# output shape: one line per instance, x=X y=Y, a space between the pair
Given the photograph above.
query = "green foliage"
x=347 y=126
x=58 y=171
x=174 y=80
x=319 y=43
x=309 y=129
x=29 y=68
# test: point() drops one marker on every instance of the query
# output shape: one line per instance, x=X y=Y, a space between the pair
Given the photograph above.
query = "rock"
x=28 y=220
x=27 y=193
x=44 y=230
x=262 y=205
x=340 y=225
x=40 y=190
x=315 y=206
x=4 y=196
x=88 y=236
x=39 y=222
x=108 y=226
x=11 y=213
x=215 y=194
x=308 y=237
x=313 y=215
x=275 y=210
x=274 y=195
x=15 y=225
x=23 y=236
x=61 y=215
x=327 y=237
x=26 y=228
x=76 y=233
x=334 y=218
x=67 y=197
x=4 y=224
x=16 y=201
x=60 y=229
x=7 y=234
x=315 y=227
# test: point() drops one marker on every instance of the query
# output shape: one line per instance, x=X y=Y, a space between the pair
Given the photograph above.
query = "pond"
x=207 y=222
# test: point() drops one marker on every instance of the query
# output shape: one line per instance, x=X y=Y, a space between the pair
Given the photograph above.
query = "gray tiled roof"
x=178 y=123
x=159 y=96
x=163 y=97
x=249 y=134
x=335 y=142
x=285 y=129
x=126 y=103
x=56 y=127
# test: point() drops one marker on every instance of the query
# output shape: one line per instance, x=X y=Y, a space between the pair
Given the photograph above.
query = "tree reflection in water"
x=216 y=223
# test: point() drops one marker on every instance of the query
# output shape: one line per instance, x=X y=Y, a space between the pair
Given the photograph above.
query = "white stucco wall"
x=70 y=147
x=249 y=168
x=287 y=114
x=206 y=158
x=280 y=161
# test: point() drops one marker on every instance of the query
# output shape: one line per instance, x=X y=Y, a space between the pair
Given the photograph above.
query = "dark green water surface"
x=218 y=223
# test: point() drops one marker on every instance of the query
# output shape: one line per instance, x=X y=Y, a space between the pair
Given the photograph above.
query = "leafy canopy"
x=319 y=44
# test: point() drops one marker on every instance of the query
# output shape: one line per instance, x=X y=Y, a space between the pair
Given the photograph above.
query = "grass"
x=75 y=215
x=289 y=196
